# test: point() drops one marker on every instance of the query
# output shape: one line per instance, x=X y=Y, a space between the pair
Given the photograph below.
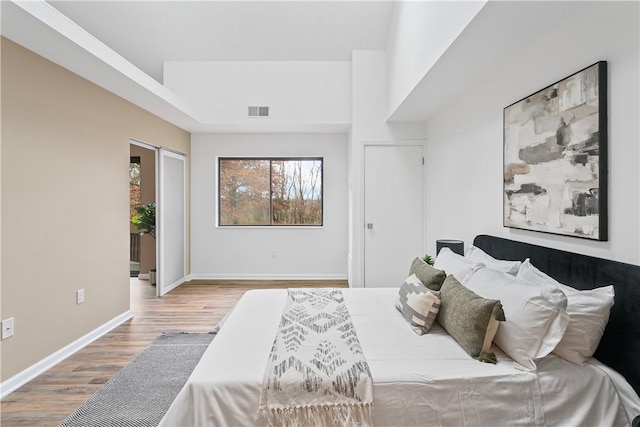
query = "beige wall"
x=65 y=195
x=147 y=195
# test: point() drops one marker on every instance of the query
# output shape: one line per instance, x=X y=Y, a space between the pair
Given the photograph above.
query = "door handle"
x=369 y=226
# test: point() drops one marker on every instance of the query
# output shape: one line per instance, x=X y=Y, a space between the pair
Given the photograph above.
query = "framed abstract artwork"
x=555 y=157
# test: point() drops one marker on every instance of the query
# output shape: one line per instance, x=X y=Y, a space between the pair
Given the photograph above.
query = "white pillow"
x=536 y=317
x=452 y=263
x=588 y=315
x=478 y=255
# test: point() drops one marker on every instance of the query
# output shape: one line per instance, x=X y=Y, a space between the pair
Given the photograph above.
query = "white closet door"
x=393 y=212
x=171 y=218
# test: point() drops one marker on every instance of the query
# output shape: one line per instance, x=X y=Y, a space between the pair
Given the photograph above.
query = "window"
x=270 y=191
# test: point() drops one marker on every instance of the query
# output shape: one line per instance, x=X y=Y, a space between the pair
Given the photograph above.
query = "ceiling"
x=149 y=32
x=122 y=45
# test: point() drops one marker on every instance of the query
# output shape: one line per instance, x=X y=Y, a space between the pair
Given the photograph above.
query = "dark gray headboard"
x=620 y=345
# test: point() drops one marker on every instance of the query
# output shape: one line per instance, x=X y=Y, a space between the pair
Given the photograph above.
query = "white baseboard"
x=174 y=285
x=48 y=362
x=268 y=277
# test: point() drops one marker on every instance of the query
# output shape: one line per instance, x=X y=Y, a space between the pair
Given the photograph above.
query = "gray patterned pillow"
x=429 y=276
x=469 y=319
x=418 y=305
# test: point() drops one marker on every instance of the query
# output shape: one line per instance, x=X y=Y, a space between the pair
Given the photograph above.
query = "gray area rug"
x=141 y=393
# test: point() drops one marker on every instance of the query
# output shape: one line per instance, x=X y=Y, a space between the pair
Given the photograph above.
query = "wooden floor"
x=193 y=307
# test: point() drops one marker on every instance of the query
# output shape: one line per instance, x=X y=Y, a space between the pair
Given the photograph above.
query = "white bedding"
x=418 y=380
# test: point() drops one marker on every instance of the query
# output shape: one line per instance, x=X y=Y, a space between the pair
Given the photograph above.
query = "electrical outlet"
x=7 y=328
x=273 y=254
x=79 y=296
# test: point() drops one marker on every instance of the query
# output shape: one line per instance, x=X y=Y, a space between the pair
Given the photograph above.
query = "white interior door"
x=393 y=212
x=171 y=221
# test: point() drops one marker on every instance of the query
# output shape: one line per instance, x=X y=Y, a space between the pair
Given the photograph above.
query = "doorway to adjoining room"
x=134 y=200
x=142 y=194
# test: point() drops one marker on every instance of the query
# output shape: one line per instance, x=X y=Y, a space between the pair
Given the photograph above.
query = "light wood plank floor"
x=193 y=307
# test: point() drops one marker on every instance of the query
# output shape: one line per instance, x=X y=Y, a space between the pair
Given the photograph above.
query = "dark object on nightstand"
x=456 y=246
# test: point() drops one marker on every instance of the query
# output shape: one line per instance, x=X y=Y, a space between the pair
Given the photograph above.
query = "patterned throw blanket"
x=316 y=374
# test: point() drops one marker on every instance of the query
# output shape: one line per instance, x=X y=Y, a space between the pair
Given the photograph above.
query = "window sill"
x=270 y=227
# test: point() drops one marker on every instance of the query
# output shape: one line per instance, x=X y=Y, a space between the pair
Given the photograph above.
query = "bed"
x=430 y=379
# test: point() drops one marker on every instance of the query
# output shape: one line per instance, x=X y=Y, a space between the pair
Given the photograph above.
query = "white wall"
x=245 y=252
x=464 y=143
x=369 y=108
x=420 y=32
x=297 y=92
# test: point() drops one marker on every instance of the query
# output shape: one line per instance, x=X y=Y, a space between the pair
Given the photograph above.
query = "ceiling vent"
x=258 y=111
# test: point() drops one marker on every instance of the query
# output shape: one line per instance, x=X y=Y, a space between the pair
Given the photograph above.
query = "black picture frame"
x=555 y=157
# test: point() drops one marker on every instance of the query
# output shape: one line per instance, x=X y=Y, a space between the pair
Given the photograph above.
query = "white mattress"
x=418 y=380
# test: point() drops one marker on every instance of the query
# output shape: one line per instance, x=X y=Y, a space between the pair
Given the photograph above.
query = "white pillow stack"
x=479 y=256
x=462 y=268
x=536 y=315
x=543 y=316
x=588 y=315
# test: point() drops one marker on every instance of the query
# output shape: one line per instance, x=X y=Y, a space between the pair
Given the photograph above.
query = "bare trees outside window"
x=270 y=191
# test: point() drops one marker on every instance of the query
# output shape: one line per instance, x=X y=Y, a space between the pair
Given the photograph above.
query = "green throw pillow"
x=429 y=276
x=469 y=319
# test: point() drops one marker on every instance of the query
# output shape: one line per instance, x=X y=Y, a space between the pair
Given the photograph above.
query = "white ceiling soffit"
x=232 y=31
x=481 y=49
x=150 y=32
x=42 y=29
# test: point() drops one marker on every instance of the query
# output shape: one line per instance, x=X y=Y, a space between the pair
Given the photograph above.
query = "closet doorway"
x=171 y=221
x=162 y=184
x=393 y=212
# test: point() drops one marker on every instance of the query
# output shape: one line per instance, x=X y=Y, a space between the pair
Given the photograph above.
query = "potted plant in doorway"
x=144 y=220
